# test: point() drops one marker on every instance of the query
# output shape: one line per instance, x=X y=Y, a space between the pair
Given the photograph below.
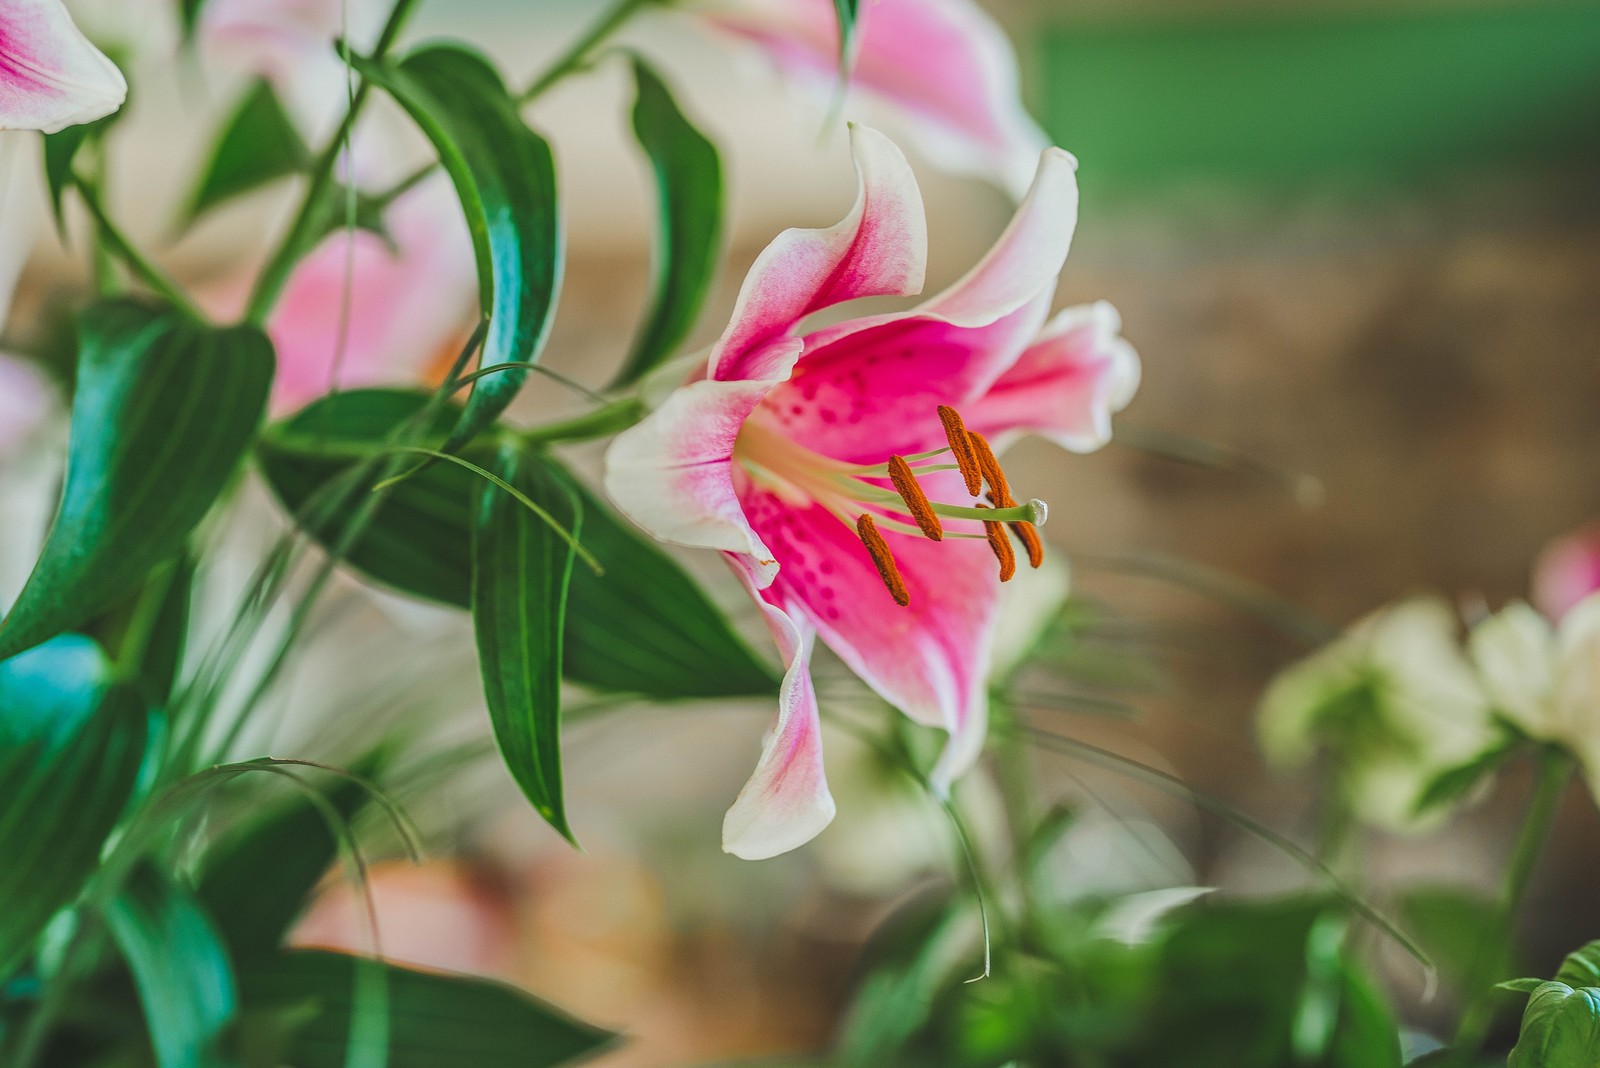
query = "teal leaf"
x=1560 y=1029
x=164 y=409
x=434 y=1020
x=689 y=198
x=152 y=649
x=71 y=741
x=643 y=626
x=179 y=965
x=505 y=177
x=258 y=145
x=520 y=576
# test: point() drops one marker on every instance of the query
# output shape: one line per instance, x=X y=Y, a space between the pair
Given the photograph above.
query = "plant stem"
x=110 y=237
x=1554 y=769
x=275 y=275
x=583 y=48
x=618 y=415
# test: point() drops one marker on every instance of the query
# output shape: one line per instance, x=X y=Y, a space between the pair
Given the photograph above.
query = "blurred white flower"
x=20 y=210
x=1393 y=702
x=1544 y=678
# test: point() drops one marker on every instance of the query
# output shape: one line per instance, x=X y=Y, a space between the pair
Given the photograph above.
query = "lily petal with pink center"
x=941 y=71
x=831 y=467
x=51 y=77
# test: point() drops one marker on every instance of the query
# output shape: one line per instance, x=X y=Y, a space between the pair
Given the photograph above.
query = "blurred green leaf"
x=257 y=881
x=521 y=572
x=179 y=966
x=688 y=178
x=642 y=627
x=1582 y=967
x=1458 y=930
x=60 y=151
x=435 y=1020
x=164 y=409
x=505 y=177
x=1560 y=1029
x=152 y=649
x=258 y=145
x=846 y=15
x=71 y=741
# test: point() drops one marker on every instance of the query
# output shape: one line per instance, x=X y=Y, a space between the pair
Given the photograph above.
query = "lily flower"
x=1544 y=678
x=1393 y=701
x=845 y=473
x=1567 y=572
x=51 y=77
x=942 y=71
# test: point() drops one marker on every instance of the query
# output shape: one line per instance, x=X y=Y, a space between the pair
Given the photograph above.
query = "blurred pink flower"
x=1567 y=571
x=782 y=457
x=444 y=915
x=942 y=71
x=26 y=399
x=51 y=77
x=409 y=308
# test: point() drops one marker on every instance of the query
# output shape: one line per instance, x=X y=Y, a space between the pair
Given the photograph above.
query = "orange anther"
x=905 y=483
x=955 y=432
x=878 y=549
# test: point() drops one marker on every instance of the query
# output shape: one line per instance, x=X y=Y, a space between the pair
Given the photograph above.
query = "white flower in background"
x=1393 y=702
x=1544 y=678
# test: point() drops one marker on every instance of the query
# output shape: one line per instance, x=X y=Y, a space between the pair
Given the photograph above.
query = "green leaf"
x=164 y=409
x=642 y=627
x=521 y=572
x=435 y=1021
x=1460 y=931
x=1453 y=784
x=505 y=176
x=1582 y=967
x=152 y=649
x=688 y=178
x=257 y=882
x=258 y=145
x=847 y=14
x=71 y=741
x=1521 y=986
x=419 y=539
x=1560 y=1029
x=179 y=965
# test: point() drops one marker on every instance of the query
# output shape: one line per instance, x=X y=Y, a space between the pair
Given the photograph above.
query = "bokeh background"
x=1358 y=249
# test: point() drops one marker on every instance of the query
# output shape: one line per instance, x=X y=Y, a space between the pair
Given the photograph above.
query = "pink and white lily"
x=940 y=71
x=832 y=468
x=51 y=77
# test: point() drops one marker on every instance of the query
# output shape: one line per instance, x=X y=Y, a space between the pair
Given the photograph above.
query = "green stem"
x=616 y=416
x=109 y=236
x=275 y=275
x=576 y=56
x=1555 y=768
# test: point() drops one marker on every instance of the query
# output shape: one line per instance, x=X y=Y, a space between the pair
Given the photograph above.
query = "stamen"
x=955 y=431
x=1001 y=545
x=990 y=466
x=1031 y=541
x=878 y=549
x=916 y=501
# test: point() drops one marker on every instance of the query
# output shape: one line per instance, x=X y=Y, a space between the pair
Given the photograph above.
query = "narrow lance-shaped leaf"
x=520 y=576
x=259 y=144
x=505 y=176
x=71 y=741
x=164 y=409
x=688 y=178
x=435 y=1021
x=644 y=626
x=847 y=14
x=180 y=968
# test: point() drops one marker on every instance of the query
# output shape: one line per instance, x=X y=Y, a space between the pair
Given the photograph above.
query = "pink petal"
x=879 y=249
x=943 y=69
x=1567 y=572
x=673 y=472
x=872 y=387
x=1028 y=257
x=409 y=306
x=929 y=659
x=1066 y=385
x=786 y=802
x=26 y=401
x=51 y=77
